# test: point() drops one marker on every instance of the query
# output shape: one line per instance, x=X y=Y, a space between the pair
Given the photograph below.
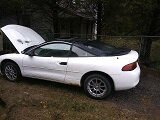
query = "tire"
x=97 y=86
x=11 y=71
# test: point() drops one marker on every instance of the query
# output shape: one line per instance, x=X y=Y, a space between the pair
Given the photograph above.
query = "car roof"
x=95 y=47
x=76 y=41
x=70 y=40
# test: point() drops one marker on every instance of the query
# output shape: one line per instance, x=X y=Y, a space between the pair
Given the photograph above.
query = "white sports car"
x=96 y=67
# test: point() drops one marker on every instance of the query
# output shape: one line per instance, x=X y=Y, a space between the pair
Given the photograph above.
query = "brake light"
x=130 y=67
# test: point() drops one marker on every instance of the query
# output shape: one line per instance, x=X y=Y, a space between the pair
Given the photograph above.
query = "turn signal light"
x=130 y=67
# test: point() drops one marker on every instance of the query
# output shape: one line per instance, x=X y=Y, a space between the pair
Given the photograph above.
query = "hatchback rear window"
x=103 y=49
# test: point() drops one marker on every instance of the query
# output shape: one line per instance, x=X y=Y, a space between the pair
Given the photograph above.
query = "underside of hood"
x=22 y=37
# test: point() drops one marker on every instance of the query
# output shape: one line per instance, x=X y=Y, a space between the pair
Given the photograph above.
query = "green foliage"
x=120 y=17
x=129 y=17
x=11 y=6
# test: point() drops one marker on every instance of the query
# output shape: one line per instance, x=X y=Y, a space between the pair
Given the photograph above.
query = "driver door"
x=48 y=62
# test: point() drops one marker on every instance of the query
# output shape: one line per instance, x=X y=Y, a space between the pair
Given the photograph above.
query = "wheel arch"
x=5 y=61
x=97 y=72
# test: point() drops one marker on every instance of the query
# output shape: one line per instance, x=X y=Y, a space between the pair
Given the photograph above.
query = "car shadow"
x=115 y=96
x=52 y=84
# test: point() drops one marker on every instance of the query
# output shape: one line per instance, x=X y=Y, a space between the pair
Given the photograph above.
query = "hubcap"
x=96 y=87
x=10 y=72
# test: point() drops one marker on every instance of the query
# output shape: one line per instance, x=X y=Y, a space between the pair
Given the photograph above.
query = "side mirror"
x=29 y=53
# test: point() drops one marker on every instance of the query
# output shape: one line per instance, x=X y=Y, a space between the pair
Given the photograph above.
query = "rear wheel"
x=11 y=71
x=97 y=86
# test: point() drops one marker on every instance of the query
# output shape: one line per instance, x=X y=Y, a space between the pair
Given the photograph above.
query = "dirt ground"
x=32 y=99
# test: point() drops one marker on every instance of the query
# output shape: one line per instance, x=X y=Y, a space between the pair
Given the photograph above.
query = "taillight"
x=130 y=67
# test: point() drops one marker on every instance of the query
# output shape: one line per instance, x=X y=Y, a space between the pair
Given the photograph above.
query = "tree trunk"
x=26 y=21
x=99 y=19
x=18 y=16
x=146 y=43
x=71 y=28
x=55 y=19
x=145 y=50
x=87 y=27
x=56 y=26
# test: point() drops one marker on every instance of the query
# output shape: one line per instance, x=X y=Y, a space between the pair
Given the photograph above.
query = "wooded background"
x=112 y=17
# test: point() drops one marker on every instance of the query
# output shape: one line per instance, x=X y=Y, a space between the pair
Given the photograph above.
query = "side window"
x=55 y=50
x=77 y=52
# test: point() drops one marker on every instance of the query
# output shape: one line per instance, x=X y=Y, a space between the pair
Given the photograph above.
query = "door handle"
x=63 y=63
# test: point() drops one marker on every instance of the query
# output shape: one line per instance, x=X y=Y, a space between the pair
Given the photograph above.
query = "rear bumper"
x=127 y=79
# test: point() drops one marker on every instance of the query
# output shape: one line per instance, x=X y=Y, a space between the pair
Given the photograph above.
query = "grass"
x=155 y=51
x=43 y=100
x=132 y=43
x=156 y=65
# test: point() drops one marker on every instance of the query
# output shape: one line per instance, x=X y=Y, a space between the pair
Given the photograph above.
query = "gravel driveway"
x=32 y=99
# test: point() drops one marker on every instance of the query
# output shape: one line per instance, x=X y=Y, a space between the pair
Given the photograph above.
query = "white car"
x=98 y=68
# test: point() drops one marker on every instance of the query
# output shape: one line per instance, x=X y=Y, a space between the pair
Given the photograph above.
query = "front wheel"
x=11 y=71
x=97 y=86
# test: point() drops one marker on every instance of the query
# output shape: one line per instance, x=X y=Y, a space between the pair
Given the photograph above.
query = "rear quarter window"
x=76 y=51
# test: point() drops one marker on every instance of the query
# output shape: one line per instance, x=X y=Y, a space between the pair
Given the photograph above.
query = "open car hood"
x=22 y=37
